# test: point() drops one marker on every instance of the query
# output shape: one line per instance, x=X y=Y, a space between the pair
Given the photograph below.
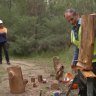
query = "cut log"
x=59 y=74
x=40 y=78
x=16 y=82
x=59 y=68
x=56 y=62
x=87 y=74
x=34 y=84
x=87 y=39
x=32 y=79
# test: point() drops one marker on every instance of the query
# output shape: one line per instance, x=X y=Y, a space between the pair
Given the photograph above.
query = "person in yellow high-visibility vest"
x=74 y=18
x=3 y=40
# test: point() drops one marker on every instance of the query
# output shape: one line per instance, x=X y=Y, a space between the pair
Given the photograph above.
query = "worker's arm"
x=78 y=64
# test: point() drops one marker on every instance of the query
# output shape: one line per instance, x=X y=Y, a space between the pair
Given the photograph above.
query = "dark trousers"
x=94 y=83
x=4 y=47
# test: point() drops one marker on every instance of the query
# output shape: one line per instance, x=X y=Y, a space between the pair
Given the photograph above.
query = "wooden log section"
x=16 y=82
x=56 y=62
x=32 y=79
x=87 y=74
x=59 y=68
x=87 y=39
x=86 y=50
x=40 y=78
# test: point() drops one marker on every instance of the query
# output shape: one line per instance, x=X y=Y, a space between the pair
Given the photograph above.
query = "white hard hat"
x=1 y=21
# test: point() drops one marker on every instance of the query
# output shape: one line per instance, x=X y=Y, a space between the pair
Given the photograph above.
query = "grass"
x=64 y=55
x=45 y=59
x=2 y=72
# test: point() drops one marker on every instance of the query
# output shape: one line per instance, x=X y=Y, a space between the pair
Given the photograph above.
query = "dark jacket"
x=3 y=32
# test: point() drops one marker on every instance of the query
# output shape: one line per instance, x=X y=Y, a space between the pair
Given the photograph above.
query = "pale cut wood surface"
x=88 y=74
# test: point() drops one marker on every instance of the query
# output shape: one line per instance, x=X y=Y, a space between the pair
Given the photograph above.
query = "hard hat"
x=1 y=21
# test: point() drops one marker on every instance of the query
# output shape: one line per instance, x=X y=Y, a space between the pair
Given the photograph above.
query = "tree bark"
x=87 y=39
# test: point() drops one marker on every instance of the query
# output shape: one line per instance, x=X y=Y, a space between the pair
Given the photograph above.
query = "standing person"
x=3 y=40
x=74 y=18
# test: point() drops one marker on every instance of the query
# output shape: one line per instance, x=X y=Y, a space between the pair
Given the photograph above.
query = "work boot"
x=0 y=62
x=8 y=62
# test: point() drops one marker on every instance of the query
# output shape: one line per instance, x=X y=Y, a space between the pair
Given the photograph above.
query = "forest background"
x=38 y=26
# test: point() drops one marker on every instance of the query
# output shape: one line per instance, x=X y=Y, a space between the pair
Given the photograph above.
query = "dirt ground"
x=29 y=68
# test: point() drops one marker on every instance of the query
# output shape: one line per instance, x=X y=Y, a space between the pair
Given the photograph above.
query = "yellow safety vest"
x=77 y=42
x=73 y=40
x=94 y=56
x=3 y=30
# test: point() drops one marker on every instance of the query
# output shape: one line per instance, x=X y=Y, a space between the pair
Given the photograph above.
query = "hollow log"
x=16 y=82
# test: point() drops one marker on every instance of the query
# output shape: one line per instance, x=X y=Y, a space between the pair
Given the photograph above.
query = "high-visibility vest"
x=94 y=56
x=73 y=39
x=77 y=42
x=3 y=32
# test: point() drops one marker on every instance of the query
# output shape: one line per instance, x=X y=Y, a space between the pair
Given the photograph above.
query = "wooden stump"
x=16 y=82
x=32 y=79
x=34 y=84
x=56 y=62
x=59 y=68
x=87 y=39
x=40 y=78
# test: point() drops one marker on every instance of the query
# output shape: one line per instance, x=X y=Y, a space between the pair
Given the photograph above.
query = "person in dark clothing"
x=3 y=41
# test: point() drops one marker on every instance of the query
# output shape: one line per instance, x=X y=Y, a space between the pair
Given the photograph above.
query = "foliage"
x=39 y=25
